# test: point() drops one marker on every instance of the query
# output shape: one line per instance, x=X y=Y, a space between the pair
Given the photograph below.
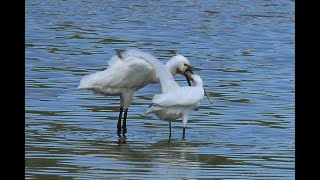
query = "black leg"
x=189 y=83
x=124 y=125
x=184 y=133
x=170 y=130
x=119 y=122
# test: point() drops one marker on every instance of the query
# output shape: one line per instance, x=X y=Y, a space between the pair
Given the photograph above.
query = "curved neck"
x=172 y=67
x=198 y=83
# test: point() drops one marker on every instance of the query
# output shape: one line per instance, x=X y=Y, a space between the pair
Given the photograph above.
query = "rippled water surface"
x=243 y=50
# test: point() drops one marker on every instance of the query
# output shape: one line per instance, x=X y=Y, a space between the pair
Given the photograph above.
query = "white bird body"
x=174 y=104
x=129 y=71
x=120 y=79
x=178 y=102
x=128 y=75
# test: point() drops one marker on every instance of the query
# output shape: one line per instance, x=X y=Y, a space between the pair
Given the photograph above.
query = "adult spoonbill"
x=128 y=71
x=178 y=101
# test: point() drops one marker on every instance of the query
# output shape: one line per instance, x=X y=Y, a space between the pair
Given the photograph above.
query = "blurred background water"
x=243 y=50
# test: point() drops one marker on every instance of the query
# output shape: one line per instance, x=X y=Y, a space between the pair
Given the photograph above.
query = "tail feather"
x=85 y=83
x=89 y=81
x=115 y=59
x=147 y=111
x=150 y=110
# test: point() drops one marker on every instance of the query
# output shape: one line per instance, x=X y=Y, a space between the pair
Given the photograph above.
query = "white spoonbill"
x=178 y=102
x=129 y=71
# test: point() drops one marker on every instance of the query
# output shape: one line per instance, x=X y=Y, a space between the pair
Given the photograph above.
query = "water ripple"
x=244 y=51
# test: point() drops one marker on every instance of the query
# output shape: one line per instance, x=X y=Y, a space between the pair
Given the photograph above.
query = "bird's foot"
x=122 y=141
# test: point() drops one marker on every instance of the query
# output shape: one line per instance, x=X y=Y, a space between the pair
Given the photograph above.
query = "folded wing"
x=183 y=96
x=129 y=74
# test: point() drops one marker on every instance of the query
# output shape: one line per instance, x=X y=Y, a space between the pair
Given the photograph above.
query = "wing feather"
x=183 y=96
x=129 y=74
x=125 y=55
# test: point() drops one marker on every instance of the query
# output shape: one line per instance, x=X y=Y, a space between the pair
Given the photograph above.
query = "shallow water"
x=243 y=50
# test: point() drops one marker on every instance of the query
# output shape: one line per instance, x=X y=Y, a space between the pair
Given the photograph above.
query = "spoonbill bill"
x=128 y=71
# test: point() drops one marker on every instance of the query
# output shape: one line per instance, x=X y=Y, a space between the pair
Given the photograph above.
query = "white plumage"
x=129 y=71
x=178 y=102
x=181 y=96
x=128 y=75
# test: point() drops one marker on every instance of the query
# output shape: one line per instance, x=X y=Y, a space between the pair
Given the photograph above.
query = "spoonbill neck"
x=197 y=81
x=171 y=65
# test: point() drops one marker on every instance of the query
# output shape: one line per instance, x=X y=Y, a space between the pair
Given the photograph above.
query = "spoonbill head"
x=179 y=64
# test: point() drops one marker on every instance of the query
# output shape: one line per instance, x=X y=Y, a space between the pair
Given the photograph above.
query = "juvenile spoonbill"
x=128 y=71
x=178 y=102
